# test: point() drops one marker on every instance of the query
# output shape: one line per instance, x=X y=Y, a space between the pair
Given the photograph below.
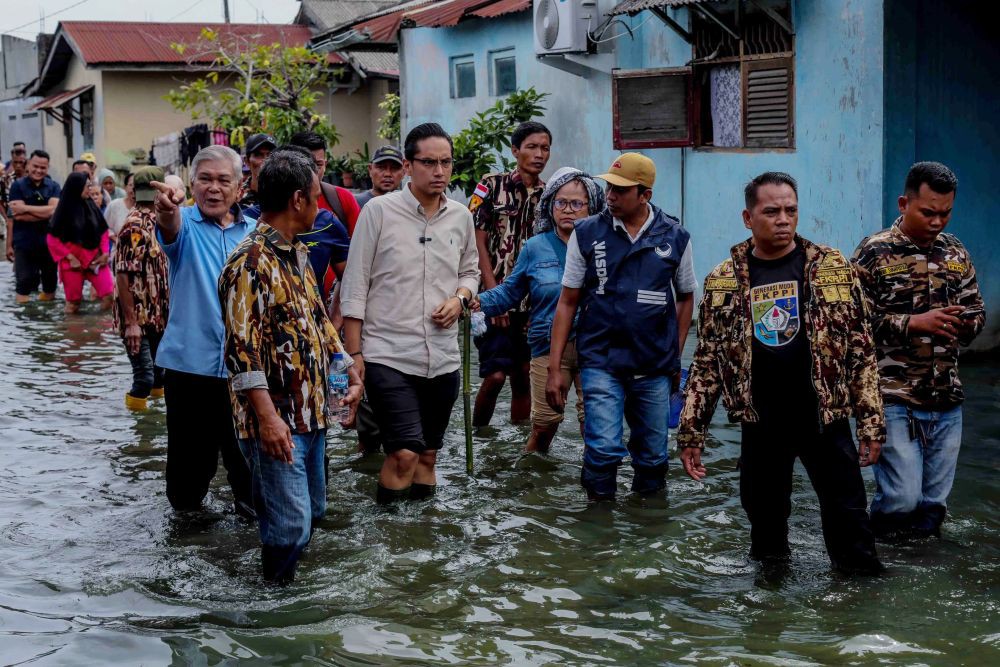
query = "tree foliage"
x=388 y=127
x=482 y=147
x=249 y=87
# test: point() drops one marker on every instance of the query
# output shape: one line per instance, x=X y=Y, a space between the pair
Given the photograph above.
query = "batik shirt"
x=139 y=257
x=902 y=279
x=504 y=208
x=278 y=336
x=6 y=179
x=247 y=197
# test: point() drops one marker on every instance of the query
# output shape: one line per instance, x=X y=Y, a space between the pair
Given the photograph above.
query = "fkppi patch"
x=957 y=267
x=775 y=309
x=893 y=269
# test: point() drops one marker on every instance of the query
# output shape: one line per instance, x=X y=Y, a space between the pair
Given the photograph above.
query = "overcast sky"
x=21 y=17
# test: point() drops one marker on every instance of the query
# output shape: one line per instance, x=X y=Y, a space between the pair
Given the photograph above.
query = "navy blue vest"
x=628 y=321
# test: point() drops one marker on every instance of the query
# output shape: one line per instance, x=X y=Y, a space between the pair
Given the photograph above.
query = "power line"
x=182 y=13
x=55 y=13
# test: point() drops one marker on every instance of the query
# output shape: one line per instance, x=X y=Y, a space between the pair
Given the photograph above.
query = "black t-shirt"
x=781 y=367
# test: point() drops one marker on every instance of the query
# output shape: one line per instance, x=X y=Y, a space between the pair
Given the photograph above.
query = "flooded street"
x=510 y=567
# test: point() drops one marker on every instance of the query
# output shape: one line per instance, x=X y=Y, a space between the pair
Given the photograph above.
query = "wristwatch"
x=464 y=299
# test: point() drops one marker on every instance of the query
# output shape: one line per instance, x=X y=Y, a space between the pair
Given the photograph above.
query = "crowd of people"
x=241 y=303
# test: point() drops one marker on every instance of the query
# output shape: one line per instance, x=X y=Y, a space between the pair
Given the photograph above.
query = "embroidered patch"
x=475 y=203
x=663 y=252
x=721 y=284
x=718 y=299
x=481 y=190
x=835 y=294
x=833 y=277
x=727 y=268
x=957 y=267
x=833 y=261
x=775 y=309
x=136 y=237
x=893 y=269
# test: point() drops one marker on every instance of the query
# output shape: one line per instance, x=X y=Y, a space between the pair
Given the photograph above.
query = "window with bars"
x=737 y=92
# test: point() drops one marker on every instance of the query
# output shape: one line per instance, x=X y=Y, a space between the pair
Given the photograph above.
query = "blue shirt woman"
x=569 y=196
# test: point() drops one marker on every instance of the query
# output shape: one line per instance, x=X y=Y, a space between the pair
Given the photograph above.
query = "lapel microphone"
x=424 y=239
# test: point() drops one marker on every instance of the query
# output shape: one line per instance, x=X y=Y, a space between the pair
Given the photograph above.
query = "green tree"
x=482 y=147
x=249 y=87
x=388 y=127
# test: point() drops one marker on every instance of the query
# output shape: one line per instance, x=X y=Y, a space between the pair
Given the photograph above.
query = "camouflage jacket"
x=141 y=260
x=278 y=336
x=840 y=344
x=504 y=208
x=901 y=279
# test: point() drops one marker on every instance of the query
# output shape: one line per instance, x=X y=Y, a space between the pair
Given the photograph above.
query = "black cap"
x=387 y=153
x=258 y=141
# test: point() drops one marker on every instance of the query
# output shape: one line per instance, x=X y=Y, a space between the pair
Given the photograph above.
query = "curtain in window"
x=726 y=92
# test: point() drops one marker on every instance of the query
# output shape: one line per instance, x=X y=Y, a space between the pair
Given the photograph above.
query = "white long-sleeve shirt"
x=394 y=281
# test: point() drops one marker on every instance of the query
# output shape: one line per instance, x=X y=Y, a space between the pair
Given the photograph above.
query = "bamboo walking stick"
x=467 y=385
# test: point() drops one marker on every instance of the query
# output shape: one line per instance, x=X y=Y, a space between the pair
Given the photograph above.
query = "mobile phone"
x=970 y=313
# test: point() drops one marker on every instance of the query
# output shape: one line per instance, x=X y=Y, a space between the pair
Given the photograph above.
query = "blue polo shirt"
x=31 y=233
x=194 y=339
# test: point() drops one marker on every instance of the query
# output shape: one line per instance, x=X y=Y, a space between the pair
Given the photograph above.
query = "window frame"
x=453 y=63
x=690 y=105
x=494 y=56
x=747 y=62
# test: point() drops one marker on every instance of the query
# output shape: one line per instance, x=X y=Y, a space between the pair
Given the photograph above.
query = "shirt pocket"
x=548 y=272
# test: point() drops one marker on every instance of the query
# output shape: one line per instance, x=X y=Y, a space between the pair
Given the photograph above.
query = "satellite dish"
x=547 y=23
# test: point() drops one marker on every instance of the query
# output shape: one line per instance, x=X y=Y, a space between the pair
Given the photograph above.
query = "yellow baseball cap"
x=630 y=169
x=89 y=157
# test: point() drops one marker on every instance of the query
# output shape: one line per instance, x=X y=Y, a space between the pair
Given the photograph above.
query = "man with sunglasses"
x=624 y=267
x=411 y=268
x=503 y=207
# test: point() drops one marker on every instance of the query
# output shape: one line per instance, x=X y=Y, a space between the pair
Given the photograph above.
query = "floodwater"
x=509 y=567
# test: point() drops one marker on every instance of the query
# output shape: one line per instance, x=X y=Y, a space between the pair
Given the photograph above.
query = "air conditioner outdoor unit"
x=561 y=26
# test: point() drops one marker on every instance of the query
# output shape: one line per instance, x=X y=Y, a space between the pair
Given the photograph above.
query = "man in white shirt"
x=411 y=268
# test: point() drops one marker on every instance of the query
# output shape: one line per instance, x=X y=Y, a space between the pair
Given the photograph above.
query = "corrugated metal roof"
x=112 y=42
x=59 y=99
x=502 y=7
x=384 y=28
x=329 y=14
x=636 y=6
x=375 y=62
x=443 y=14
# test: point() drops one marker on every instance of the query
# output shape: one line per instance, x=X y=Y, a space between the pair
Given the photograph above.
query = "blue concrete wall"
x=839 y=104
x=944 y=94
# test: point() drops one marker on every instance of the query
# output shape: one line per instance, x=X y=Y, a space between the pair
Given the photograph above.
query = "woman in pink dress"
x=79 y=243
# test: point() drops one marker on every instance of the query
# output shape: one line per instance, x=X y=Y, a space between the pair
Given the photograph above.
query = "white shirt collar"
x=618 y=224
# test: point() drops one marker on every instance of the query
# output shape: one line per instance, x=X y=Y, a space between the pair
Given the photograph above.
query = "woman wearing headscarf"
x=79 y=244
x=109 y=184
x=569 y=196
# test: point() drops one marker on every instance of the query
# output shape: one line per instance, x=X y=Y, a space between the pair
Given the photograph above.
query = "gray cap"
x=387 y=153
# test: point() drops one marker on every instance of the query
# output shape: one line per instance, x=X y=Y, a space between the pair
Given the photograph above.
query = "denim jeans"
x=644 y=403
x=290 y=499
x=145 y=374
x=913 y=476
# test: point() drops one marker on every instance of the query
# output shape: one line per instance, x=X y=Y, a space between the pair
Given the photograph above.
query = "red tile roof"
x=113 y=42
x=502 y=7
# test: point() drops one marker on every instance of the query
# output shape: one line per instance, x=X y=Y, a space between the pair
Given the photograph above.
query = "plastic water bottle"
x=478 y=323
x=336 y=389
x=677 y=400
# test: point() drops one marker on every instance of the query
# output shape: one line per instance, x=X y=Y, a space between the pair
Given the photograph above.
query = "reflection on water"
x=511 y=566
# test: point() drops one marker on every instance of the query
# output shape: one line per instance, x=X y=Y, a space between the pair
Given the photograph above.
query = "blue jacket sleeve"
x=512 y=290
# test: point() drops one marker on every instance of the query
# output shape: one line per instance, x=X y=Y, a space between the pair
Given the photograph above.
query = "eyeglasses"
x=445 y=163
x=572 y=204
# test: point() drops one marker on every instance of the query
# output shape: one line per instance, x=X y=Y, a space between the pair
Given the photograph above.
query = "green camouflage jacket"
x=840 y=342
x=901 y=279
x=278 y=336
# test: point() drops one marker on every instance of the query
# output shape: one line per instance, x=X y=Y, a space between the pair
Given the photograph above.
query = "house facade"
x=104 y=86
x=842 y=94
